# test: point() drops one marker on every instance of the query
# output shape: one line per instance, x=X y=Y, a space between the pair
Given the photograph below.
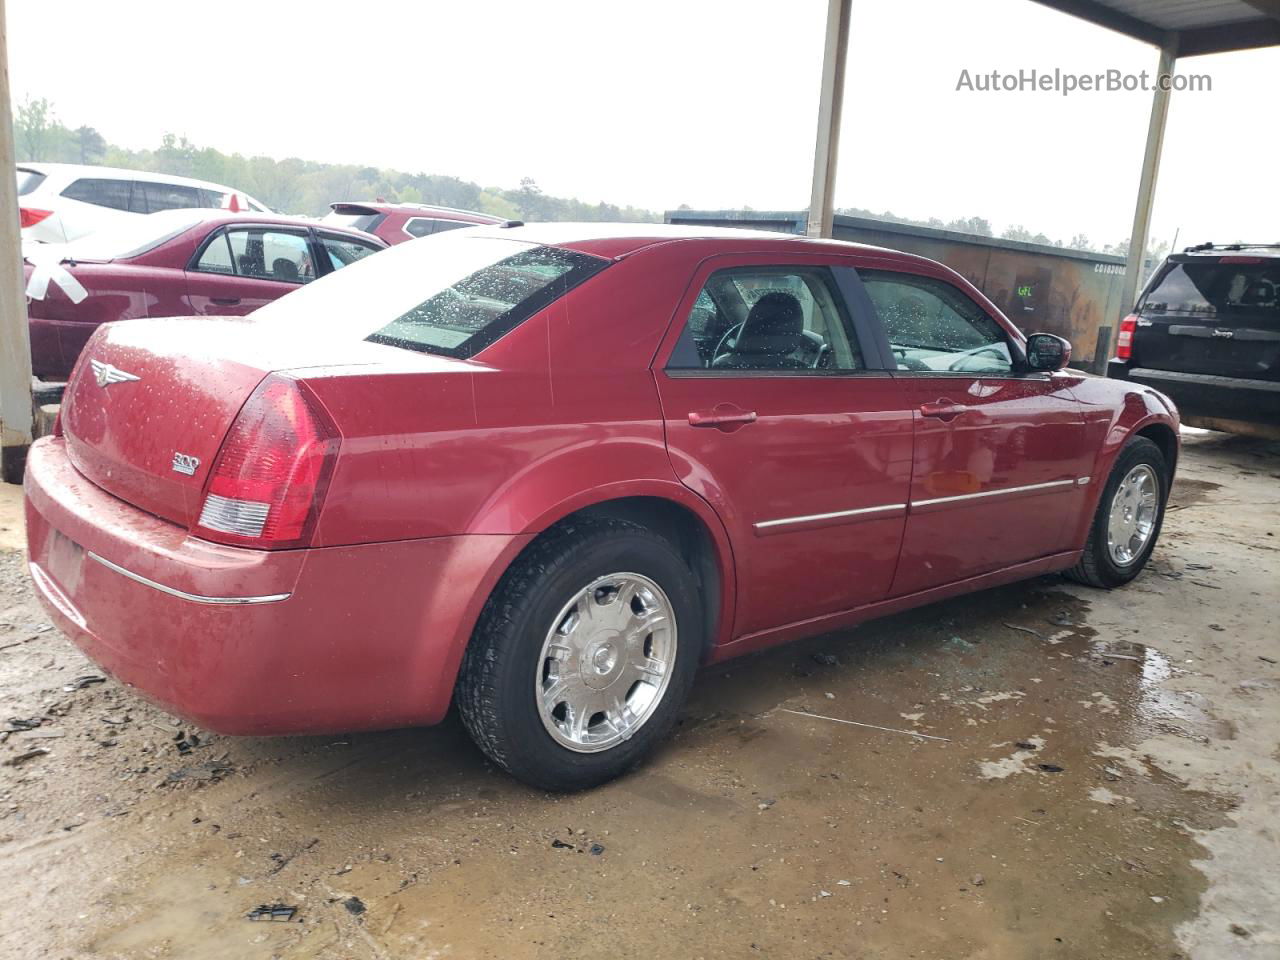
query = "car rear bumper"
x=249 y=641
x=1208 y=396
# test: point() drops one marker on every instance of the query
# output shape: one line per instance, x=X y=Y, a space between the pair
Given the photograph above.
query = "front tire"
x=583 y=655
x=1128 y=519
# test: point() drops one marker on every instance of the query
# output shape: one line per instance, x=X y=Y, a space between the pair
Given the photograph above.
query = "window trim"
x=1019 y=370
x=855 y=332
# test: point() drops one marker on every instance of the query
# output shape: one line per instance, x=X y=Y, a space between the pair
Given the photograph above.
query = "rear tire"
x=583 y=655
x=1119 y=547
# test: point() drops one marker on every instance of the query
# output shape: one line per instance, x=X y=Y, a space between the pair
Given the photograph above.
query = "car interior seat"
x=773 y=330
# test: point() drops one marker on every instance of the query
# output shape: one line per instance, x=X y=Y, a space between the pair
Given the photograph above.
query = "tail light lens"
x=1124 y=342
x=270 y=477
x=29 y=217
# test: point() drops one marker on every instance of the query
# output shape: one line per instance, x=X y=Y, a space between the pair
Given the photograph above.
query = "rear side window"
x=477 y=309
x=169 y=196
x=1212 y=289
x=101 y=193
x=784 y=318
x=28 y=180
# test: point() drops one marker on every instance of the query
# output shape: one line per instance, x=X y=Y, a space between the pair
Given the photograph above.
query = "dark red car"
x=548 y=471
x=174 y=263
x=398 y=222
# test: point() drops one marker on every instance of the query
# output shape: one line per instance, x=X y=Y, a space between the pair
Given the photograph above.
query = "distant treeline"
x=307 y=187
x=297 y=186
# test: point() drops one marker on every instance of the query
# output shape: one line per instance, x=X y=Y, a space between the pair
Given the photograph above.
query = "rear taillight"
x=1124 y=342
x=269 y=479
x=29 y=216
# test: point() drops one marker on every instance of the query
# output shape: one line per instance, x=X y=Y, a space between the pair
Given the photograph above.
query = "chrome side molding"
x=182 y=594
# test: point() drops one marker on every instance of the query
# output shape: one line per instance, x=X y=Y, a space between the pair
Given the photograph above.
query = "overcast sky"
x=706 y=102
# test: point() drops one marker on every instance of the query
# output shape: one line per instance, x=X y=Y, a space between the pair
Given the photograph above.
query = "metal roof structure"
x=1194 y=27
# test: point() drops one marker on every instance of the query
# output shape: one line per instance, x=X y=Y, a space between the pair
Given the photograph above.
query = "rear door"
x=1218 y=315
x=779 y=414
x=1001 y=457
x=240 y=268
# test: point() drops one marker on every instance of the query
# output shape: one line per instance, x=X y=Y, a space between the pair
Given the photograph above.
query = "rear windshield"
x=452 y=294
x=28 y=180
x=1217 y=288
x=355 y=221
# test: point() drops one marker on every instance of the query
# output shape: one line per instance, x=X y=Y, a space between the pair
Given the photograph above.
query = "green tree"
x=90 y=145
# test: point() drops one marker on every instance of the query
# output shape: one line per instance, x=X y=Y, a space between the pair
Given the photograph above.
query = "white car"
x=60 y=202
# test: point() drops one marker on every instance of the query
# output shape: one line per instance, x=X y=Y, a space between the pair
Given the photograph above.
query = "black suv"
x=1206 y=332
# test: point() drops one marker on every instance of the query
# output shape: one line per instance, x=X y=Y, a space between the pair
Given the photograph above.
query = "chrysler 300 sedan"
x=547 y=471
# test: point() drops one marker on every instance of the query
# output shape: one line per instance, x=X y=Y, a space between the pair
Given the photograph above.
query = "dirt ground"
x=1102 y=780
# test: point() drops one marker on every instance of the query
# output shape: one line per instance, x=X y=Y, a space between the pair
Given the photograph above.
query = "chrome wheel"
x=606 y=662
x=1134 y=508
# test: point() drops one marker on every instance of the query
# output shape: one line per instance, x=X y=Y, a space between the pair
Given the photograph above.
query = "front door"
x=775 y=415
x=1001 y=458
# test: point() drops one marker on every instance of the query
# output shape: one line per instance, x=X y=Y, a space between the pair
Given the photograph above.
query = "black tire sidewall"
x=530 y=752
x=1137 y=451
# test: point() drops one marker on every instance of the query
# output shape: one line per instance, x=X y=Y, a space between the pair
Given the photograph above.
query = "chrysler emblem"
x=106 y=374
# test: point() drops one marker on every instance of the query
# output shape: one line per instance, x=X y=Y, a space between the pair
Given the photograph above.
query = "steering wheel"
x=730 y=334
x=820 y=347
x=957 y=364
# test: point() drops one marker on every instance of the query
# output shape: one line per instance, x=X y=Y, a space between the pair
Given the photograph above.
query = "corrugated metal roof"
x=1197 y=26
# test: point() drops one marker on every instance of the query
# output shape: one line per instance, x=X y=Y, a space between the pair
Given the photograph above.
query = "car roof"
x=197 y=216
x=75 y=170
x=609 y=239
x=427 y=209
x=1227 y=249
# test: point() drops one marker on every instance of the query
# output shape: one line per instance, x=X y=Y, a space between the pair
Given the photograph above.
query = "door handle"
x=942 y=409
x=721 y=416
x=225 y=301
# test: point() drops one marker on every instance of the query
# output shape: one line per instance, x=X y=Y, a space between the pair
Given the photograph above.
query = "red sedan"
x=173 y=263
x=549 y=470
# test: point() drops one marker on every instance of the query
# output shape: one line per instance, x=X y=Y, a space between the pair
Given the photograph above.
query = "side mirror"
x=1045 y=351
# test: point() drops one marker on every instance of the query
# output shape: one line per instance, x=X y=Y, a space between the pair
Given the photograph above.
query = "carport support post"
x=15 y=348
x=1147 y=185
x=835 y=51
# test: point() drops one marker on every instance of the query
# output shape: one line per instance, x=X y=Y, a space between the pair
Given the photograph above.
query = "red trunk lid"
x=142 y=407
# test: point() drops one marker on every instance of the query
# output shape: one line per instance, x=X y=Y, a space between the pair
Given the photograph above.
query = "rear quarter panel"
x=558 y=414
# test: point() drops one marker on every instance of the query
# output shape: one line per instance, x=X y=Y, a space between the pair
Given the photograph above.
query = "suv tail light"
x=270 y=476
x=1124 y=342
x=29 y=216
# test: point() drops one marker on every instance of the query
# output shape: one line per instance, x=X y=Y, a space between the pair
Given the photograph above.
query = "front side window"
x=267 y=254
x=342 y=251
x=935 y=328
x=784 y=318
x=100 y=192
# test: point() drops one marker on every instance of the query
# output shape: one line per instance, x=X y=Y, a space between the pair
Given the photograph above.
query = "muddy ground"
x=1105 y=782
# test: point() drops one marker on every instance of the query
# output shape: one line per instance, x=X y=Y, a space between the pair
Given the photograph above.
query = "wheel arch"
x=675 y=513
